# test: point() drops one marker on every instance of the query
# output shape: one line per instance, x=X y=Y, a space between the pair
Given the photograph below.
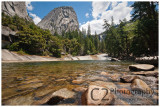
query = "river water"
x=34 y=80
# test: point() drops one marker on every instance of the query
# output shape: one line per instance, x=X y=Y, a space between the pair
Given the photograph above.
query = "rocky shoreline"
x=9 y=56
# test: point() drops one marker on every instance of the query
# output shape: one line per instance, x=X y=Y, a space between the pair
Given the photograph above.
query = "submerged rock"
x=120 y=102
x=20 y=100
x=104 y=73
x=97 y=95
x=79 y=81
x=109 y=85
x=96 y=78
x=141 y=67
x=56 y=97
x=147 y=73
x=80 y=89
x=151 y=81
x=128 y=78
x=115 y=77
x=140 y=85
x=139 y=100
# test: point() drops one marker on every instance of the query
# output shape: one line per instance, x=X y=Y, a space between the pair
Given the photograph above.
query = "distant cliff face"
x=15 y=8
x=60 y=19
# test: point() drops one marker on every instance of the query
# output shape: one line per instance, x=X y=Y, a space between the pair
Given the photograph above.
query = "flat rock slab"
x=56 y=97
x=64 y=93
x=141 y=67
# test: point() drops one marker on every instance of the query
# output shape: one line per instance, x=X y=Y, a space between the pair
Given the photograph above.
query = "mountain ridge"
x=60 y=19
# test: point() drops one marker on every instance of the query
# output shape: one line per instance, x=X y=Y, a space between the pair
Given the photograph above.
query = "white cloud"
x=29 y=6
x=114 y=3
x=36 y=19
x=87 y=15
x=98 y=8
x=119 y=11
x=95 y=25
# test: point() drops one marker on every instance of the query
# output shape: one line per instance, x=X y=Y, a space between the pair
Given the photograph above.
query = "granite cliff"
x=15 y=8
x=59 y=20
x=11 y=8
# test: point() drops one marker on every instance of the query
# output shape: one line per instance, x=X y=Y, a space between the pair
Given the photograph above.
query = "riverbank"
x=9 y=56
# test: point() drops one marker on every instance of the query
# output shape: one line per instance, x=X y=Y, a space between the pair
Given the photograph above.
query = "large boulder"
x=141 y=67
x=139 y=85
x=61 y=19
x=97 y=95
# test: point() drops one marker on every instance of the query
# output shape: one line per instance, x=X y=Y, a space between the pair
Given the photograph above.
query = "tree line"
x=31 y=39
x=137 y=37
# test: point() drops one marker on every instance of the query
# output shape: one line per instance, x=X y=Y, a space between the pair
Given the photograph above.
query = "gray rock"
x=60 y=19
x=8 y=36
x=15 y=8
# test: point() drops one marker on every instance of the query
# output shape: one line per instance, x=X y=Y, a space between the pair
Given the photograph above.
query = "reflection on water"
x=34 y=80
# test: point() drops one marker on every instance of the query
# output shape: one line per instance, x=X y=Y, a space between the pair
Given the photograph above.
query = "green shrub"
x=14 y=47
x=21 y=52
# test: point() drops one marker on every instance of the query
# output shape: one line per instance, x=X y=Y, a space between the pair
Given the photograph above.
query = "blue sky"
x=92 y=13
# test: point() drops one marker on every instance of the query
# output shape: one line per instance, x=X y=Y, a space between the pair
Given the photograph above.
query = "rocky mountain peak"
x=15 y=8
x=60 y=19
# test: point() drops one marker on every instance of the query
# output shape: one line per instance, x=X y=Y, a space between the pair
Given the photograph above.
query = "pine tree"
x=89 y=30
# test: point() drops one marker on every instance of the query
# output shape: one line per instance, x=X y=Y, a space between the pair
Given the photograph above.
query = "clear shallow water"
x=34 y=80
